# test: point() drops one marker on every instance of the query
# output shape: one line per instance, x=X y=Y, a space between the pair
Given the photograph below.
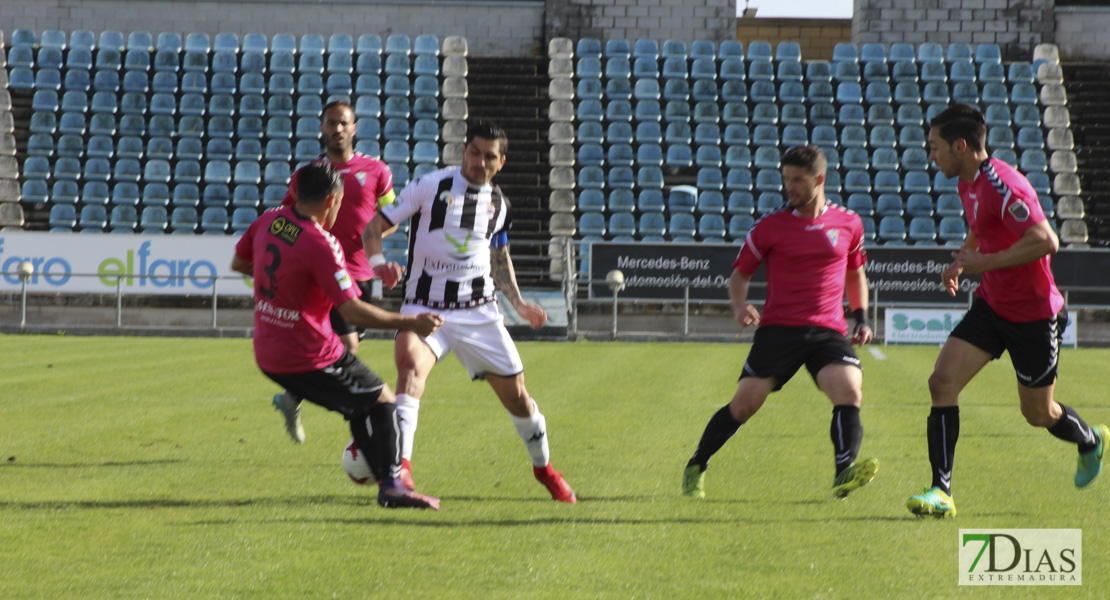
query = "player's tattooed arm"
x=504 y=277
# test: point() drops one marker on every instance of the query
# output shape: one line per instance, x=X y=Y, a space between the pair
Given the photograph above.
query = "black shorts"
x=779 y=351
x=1034 y=347
x=338 y=325
x=347 y=386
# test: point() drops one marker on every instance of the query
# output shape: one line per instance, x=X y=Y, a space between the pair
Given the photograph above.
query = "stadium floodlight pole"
x=686 y=310
x=119 y=301
x=615 y=279
x=215 y=282
x=26 y=270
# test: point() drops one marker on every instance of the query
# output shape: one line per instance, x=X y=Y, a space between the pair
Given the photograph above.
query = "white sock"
x=408 y=412
x=533 y=430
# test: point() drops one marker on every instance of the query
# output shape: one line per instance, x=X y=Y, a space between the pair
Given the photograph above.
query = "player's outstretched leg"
x=290 y=408
x=720 y=428
x=1090 y=462
x=935 y=502
x=857 y=475
x=408 y=414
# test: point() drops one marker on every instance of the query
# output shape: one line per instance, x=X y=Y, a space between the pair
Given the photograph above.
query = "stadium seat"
x=952 y=229
x=880 y=114
x=738 y=157
x=95 y=192
x=915 y=182
x=155 y=194
x=739 y=226
x=885 y=159
x=739 y=179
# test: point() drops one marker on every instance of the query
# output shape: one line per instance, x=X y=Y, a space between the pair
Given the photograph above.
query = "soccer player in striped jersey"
x=367 y=186
x=299 y=276
x=458 y=254
x=813 y=252
x=1016 y=307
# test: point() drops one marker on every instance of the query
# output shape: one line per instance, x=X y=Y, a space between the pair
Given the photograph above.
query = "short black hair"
x=962 y=121
x=316 y=180
x=337 y=103
x=488 y=130
x=810 y=158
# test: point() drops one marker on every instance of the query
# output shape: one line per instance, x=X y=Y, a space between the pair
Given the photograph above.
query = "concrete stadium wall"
x=632 y=19
x=816 y=36
x=491 y=28
x=1016 y=26
x=1082 y=32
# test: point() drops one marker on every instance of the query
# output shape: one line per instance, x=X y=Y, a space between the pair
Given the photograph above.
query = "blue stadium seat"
x=856 y=158
x=739 y=226
x=588 y=48
x=740 y=203
x=739 y=180
x=880 y=114
x=95 y=192
x=851 y=114
x=768 y=180
x=876 y=72
x=1026 y=116
x=912 y=137
x=1000 y=138
x=916 y=182
x=903 y=72
x=907 y=93
x=846 y=72
x=767 y=202
x=919 y=205
x=765 y=135
x=950 y=205
x=738 y=156
x=861 y=204
x=1030 y=138
x=617 y=68
x=892 y=229
x=887 y=182
x=63 y=215
x=736 y=135
x=857 y=182
x=645 y=67
x=882 y=136
x=795 y=135
x=994 y=93
x=922 y=230
x=992 y=73
x=936 y=93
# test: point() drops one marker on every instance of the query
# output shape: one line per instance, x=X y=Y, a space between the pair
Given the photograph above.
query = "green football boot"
x=857 y=475
x=1090 y=462
x=692 y=479
x=933 y=502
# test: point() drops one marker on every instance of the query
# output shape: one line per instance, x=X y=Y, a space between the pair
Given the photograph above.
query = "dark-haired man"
x=458 y=252
x=367 y=186
x=814 y=254
x=299 y=275
x=1016 y=308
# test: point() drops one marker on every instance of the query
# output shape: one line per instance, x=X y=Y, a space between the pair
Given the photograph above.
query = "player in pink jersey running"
x=1016 y=308
x=367 y=186
x=299 y=275
x=813 y=253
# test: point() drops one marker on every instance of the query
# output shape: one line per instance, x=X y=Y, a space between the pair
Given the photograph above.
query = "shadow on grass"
x=15 y=464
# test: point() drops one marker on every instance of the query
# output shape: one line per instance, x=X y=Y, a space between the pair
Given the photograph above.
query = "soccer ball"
x=354 y=463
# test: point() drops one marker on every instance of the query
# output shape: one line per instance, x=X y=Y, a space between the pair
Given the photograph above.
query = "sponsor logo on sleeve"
x=343 y=279
x=1019 y=211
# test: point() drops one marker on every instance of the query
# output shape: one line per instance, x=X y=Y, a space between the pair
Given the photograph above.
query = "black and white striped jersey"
x=452 y=226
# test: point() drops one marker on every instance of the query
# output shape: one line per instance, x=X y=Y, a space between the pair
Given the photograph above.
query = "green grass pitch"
x=156 y=468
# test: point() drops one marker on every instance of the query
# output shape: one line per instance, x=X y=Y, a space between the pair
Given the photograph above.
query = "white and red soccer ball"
x=354 y=463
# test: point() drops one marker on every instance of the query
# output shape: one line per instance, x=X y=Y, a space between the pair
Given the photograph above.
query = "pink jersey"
x=1000 y=206
x=367 y=185
x=807 y=260
x=299 y=274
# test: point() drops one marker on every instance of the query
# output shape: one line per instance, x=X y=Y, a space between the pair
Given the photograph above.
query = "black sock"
x=387 y=439
x=364 y=437
x=942 y=432
x=1072 y=428
x=847 y=435
x=720 y=428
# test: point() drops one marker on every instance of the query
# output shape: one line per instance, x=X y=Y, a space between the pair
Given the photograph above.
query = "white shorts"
x=478 y=338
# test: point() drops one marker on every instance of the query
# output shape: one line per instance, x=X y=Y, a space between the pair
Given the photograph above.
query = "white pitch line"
x=878 y=354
